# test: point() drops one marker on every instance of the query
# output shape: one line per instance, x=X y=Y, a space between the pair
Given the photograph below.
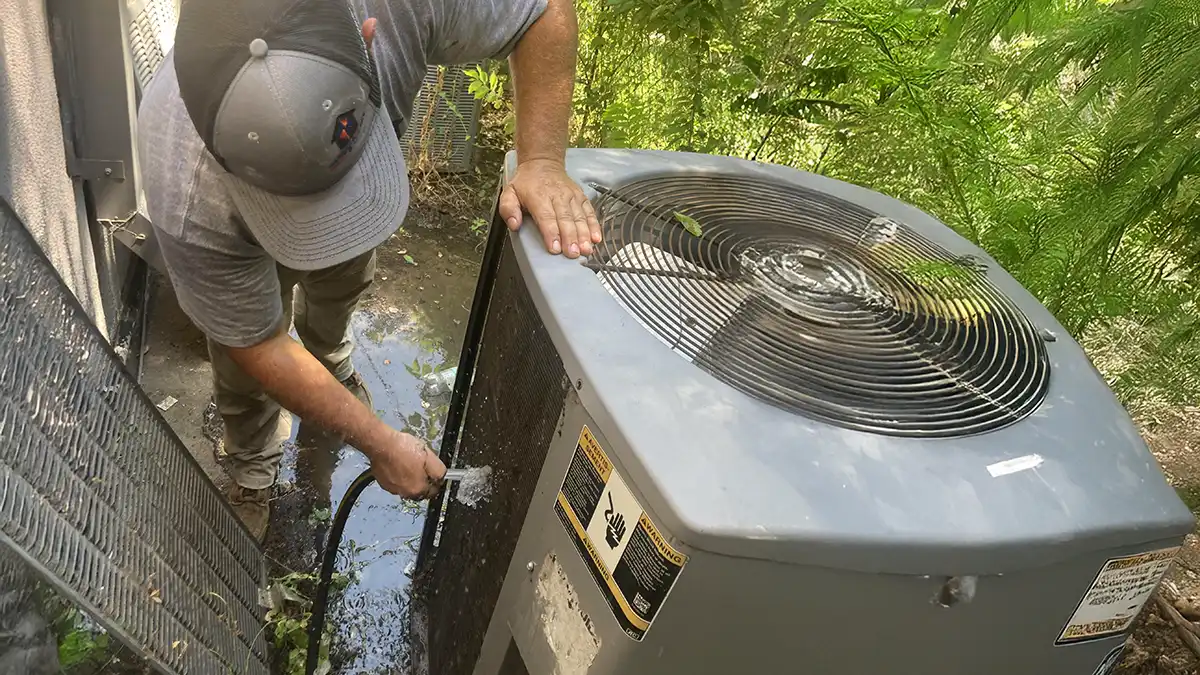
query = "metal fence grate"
x=445 y=118
x=100 y=497
x=516 y=400
x=152 y=22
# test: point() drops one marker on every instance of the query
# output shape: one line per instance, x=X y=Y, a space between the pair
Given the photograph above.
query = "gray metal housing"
x=738 y=477
x=815 y=548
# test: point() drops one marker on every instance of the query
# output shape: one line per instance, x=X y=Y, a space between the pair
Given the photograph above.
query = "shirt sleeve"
x=473 y=30
x=228 y=288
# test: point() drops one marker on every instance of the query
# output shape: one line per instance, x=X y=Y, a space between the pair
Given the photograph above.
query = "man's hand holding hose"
x=407 y=467
x=402 y=463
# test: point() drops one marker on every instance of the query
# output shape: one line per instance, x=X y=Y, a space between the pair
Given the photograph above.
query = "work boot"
x=253 y=507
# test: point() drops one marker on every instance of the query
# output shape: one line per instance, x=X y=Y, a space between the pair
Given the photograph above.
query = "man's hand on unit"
x=561 y=211
x=405 y=466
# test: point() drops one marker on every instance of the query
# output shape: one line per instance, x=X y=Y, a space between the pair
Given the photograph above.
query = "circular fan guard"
x=819 y=306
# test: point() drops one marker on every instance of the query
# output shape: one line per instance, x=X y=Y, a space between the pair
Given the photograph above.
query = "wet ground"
x=409 y=326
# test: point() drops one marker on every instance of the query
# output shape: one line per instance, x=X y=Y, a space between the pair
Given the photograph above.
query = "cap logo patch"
x=345 y=129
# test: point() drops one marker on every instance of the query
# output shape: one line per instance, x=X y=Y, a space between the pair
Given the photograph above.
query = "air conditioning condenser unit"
x=779 y=423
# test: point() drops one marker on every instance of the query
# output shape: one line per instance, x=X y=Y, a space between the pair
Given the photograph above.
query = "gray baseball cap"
x=286 y=97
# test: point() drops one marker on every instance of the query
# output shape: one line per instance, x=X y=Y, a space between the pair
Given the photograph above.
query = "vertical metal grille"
x=445 y=118
x=516 y=401
x=100 y=497
x=149 y=27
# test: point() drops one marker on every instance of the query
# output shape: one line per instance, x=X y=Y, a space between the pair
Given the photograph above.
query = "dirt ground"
x=1155 y=648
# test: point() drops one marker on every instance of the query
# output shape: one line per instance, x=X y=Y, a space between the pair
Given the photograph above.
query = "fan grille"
x=819 y=306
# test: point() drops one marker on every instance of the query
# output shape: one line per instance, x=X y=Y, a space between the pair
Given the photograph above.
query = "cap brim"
x=328 y=228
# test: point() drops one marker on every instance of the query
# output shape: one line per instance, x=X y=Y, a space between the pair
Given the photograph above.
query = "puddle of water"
x=411 y=326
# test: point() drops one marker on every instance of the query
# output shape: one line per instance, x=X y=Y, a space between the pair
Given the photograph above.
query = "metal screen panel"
x=516 y=400
x=445 y=118
x=151 y=31
x=99 y=496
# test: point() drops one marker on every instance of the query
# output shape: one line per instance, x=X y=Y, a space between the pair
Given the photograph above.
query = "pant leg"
x=325 y=300
x=255 y=425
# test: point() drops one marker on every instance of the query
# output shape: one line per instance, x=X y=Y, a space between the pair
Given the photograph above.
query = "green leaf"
x=690 y=224
x=80 y=646
x=753 y=65
x=409 y=259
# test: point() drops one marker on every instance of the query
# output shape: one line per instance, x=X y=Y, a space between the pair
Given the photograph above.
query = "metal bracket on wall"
x=137 y=234
x=97 y=169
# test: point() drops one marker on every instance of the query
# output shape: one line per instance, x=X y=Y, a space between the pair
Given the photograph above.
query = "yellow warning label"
x=664 y=548
x=1116 y=596
x=613 y=591
x=629 y=557
x=595 y=453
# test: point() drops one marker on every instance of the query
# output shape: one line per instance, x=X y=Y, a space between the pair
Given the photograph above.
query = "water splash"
x=475 y=486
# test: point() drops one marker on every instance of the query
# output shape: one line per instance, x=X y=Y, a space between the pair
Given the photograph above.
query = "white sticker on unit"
x=1014 y=465
x=1116 y=596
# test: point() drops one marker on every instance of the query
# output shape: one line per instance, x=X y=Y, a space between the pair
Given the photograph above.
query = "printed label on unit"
x=1117 y=595
x=1110 y=662
x=629 y=558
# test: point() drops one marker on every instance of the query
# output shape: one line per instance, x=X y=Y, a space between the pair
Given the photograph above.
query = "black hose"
x=316 y=623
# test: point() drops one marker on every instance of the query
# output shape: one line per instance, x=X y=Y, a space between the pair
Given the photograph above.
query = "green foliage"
x=291 y=612
x=487 y=85
x=1062 y=136
x=319 y=516
x=82 y=643
x=479 y=227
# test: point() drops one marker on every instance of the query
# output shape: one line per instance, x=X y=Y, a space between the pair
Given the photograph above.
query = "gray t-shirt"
x=225 y=282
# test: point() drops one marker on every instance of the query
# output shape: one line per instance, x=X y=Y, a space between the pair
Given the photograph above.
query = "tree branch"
x=1188 y=632
x=1075 y=156
x=765 y=137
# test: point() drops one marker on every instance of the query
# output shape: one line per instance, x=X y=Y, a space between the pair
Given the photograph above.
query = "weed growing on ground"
x=291 y=611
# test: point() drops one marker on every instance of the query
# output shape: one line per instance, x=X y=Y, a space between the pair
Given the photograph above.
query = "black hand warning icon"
x=616 y=524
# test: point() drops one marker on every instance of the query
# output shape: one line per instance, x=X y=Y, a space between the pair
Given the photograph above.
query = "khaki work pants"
x=256 y=427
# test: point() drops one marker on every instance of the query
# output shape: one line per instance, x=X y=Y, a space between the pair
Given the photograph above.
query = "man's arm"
x=402 y=464
x=543 y=71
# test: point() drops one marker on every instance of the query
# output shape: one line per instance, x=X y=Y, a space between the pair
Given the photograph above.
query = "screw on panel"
x=578 y=385
x=108 y=172
x=1048 y=335
x=530 y=566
